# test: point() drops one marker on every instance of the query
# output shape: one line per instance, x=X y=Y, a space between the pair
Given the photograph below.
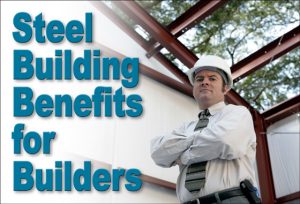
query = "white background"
x=120 y=142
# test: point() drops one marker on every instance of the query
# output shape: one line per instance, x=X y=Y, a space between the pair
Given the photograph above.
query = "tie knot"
x=204 y=114
x=203 y=119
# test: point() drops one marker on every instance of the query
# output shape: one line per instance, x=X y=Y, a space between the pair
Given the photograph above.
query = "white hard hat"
x=213 y=63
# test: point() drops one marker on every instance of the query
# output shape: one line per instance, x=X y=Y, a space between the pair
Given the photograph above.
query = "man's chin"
x=205 y=95
x=204 y=99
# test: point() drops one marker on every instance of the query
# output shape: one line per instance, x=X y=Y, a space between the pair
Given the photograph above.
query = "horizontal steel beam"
x=159 y=182
x=194 y=15
x=263 y=56
x=157 y=31
x=108 y=166
x=282 y=110
x=187 y=20
x=287 y=198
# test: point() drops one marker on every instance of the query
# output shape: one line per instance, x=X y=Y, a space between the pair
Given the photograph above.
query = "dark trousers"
x=228 y=196
x=236 y=200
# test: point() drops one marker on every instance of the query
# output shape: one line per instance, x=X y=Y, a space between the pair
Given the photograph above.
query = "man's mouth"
x=204 y=90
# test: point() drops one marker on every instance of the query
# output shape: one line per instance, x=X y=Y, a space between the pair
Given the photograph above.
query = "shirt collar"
x=216 y=107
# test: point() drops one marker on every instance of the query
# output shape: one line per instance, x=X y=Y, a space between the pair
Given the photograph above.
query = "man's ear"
x=226 y=89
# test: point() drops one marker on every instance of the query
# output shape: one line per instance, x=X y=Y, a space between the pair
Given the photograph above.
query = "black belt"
x=213 y=198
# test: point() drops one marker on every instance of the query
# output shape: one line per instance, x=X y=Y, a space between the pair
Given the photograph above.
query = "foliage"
x=166 y=11
x=236 y=30
x=273 y=83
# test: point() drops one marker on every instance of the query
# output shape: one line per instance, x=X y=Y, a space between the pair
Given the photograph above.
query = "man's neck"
x=206 y=106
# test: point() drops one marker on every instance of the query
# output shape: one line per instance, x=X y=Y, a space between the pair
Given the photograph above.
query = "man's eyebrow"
x=213 y=75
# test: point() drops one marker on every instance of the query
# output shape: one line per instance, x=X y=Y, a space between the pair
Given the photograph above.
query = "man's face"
x=208 y=88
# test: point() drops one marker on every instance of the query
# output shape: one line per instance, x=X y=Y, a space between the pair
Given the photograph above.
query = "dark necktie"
x=195 y=175
x=203 y=120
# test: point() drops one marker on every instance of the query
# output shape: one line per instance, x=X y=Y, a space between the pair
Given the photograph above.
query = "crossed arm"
x=228 y=138
x=166 y=149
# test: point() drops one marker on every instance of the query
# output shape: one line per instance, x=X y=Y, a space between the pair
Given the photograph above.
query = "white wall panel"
x=283 y=141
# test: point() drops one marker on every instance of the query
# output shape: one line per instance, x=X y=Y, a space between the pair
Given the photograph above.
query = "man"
x=217 y=152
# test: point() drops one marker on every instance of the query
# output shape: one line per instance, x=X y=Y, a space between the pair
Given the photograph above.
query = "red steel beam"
x=194 y=15
x=157 y=31
x=234 y=98
x=119 y=22
x=265 y=175
x=172 y=68
x=287 y=198
x=272 y=51
x=141 y=41
x=159 y=182
x=282 y=110
x=144 y=177
x=187 y=20
x=183 y=88
x=151 y=73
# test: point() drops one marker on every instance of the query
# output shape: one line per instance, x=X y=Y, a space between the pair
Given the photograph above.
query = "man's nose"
x=205 y=82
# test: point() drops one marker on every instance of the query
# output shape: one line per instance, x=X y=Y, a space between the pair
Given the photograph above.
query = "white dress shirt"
x=228 y=143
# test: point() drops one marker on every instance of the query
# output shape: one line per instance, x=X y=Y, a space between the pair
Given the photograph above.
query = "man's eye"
x=199 y=79
x=212 y=79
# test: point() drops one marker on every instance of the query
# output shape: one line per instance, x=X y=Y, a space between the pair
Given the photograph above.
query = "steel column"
x=263 y=160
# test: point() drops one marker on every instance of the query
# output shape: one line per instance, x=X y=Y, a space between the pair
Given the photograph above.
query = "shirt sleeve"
x=229 y=137
x=166 y=149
